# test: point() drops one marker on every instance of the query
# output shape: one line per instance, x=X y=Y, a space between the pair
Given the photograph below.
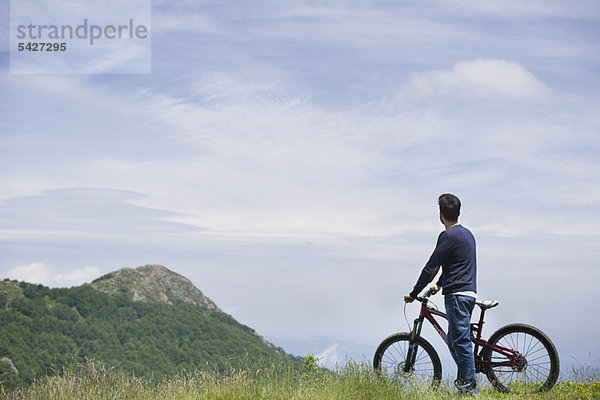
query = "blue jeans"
x=458 y=310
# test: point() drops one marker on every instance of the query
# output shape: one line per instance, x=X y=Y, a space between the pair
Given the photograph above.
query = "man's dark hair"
x=449 y=206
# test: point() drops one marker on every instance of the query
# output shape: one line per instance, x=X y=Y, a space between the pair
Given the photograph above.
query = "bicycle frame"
x=427 y=313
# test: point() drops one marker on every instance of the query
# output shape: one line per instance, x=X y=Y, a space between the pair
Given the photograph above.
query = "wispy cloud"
x=86 y=212
x=258 y=158
x=530 y=9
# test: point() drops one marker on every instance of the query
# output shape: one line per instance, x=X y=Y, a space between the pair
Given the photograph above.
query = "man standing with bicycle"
x=455 y=254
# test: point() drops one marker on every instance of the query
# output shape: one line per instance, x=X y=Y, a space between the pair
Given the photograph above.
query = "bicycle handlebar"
x=426 y=296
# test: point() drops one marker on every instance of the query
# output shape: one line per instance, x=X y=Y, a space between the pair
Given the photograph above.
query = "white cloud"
x=329 y=357
x=38 y=272
x=479 y=78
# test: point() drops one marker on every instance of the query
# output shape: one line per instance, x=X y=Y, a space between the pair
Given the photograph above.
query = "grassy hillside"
x=91 y=381
x=43 y=330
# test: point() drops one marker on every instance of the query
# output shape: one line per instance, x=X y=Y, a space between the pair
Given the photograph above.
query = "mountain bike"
x=517 y=357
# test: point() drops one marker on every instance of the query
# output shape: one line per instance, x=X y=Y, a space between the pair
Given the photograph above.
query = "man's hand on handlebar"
x=432 y=290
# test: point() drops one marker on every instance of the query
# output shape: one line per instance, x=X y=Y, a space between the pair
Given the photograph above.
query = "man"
x=455 y=254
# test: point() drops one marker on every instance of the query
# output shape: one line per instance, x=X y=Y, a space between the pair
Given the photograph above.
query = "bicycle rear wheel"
x=538 y=364
x=391 y=357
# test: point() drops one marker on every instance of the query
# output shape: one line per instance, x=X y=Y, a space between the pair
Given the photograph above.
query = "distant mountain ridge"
x=153 y=283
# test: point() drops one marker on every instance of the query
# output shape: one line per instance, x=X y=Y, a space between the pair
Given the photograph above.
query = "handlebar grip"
x=427 y=294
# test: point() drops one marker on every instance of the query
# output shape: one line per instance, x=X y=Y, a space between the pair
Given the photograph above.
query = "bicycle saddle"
x=485 y=304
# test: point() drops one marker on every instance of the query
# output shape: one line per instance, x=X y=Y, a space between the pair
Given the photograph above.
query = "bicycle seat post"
x=478 y=327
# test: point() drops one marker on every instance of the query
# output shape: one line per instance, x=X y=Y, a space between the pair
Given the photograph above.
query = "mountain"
x=154 y=283
x=149 y=320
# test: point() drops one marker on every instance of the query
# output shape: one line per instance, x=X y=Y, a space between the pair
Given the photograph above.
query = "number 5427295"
x=41 y=46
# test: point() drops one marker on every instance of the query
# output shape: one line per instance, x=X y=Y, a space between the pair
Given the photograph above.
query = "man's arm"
x=427 y=275
x=424 y=279
x=429 y=271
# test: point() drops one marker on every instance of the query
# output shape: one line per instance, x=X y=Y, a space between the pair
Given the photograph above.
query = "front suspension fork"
x=411 y=355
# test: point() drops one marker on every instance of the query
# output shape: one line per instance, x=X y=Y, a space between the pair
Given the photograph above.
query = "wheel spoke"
x=391 y=357
x=535 y=366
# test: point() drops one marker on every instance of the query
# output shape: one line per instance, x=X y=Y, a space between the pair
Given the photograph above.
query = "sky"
x=287 y=158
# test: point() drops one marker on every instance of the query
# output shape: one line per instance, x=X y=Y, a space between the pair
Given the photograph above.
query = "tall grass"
x=93 y=381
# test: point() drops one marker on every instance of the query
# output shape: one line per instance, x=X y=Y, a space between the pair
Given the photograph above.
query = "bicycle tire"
x=390 y=356
x=540 y=367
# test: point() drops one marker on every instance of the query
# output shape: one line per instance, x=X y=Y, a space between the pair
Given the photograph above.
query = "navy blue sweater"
x=455 y=253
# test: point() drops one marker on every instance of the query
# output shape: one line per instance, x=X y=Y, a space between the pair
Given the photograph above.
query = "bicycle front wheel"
x=537 y=366
x=391 y=357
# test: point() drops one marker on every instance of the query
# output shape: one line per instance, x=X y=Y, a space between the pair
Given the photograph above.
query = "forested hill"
x=149 y=320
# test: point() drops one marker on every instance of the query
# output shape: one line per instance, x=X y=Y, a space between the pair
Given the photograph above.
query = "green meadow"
x=91 y=380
